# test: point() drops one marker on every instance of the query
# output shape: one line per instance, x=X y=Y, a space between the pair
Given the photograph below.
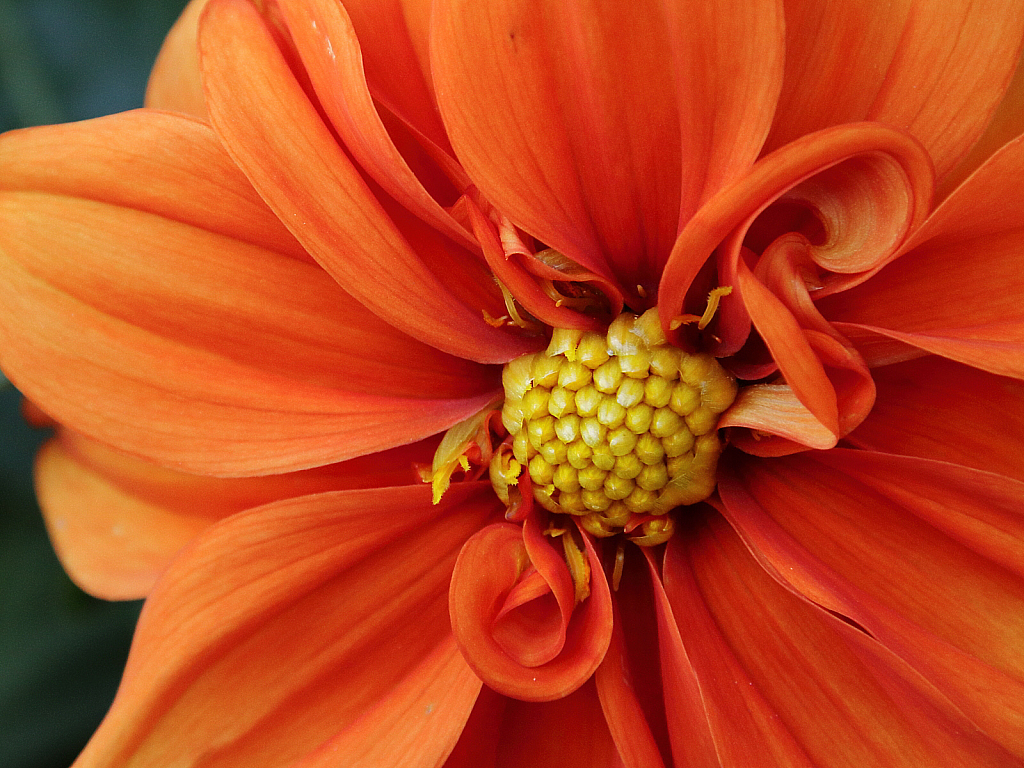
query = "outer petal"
x=117 y=521
x=285 y=627
x=276 y=136
x=936 y=69
x=938 y=409
x=174 y=83
x=184 y=346
x=786 y=684
x=924 y=555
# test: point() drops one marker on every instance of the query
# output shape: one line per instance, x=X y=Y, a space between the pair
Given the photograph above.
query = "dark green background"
x=61 y=651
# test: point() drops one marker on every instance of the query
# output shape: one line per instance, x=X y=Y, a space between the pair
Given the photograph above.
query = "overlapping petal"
x=784 y=683
x=116 y=521
x=937 y=409
x=278 y=139
x=570 y=123
x=174 y=83
x=922 y=554
x=325 y=584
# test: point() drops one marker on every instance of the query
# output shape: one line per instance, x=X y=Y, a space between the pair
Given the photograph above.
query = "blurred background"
x=61 y=651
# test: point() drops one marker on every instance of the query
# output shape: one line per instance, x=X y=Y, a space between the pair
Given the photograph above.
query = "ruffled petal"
x=936 y=69
x=937 y=409
x=565 y=117
x=786 y=684
x=924 y=555
x=175 y=84
x=276 y=136
x=200 y=351
x=956 y=293
x=869 y=186
x=116 y=521
x=284 y=628
x=512 y=610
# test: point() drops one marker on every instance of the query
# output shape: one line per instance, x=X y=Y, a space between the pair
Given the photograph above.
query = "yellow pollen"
x=617 y=429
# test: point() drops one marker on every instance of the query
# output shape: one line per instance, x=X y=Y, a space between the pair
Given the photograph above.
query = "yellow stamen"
x=702 y=321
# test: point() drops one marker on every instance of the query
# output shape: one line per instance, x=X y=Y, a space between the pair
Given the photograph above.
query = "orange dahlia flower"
x=718 y=307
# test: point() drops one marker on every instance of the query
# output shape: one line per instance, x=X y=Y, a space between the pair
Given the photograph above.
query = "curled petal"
x=956 y=291
x=522 y=635
x=867 y=184
x=774 y=410
x=288 y=629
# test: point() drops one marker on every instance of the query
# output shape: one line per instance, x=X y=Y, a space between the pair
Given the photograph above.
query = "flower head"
x=525 y=383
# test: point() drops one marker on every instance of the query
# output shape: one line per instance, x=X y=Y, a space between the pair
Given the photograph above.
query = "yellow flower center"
x=617 y=429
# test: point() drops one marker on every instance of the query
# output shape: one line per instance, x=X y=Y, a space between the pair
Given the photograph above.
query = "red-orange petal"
x=937 y=409
x=489 y=568
x=565 y=118
x=286 y=627
x=956 y=292
x=936 y=69
x=276 y=136
x=116 y=521
x=924 y=555
x=569 y=731
x=786 y=684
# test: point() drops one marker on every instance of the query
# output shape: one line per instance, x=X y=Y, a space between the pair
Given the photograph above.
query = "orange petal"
x=937 y=409
x=117 y=521
x=774 y=409
x=281 y=629
x=488 y=569
x=1007 y=124
x=957 y=293
x=393 y=39
x=784 y=683
x=174 y=83
x=188 y=176
x=564 y=116
x=936 y=69
x=276 y=136
x=191 y=348
x=924 y=555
